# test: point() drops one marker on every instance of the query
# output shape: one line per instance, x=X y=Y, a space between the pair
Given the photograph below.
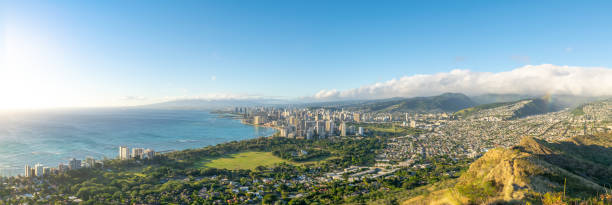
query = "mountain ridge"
x=446 y=102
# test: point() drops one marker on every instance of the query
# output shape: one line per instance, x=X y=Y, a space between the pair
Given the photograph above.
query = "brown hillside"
x=524 y=172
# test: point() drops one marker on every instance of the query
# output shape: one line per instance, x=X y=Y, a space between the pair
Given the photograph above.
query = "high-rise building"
x=293 y=121
x=343 y=129
x=327 y=116
x=330 y=126
x=309 y=125
x=283 y=132
x=149 y=153
x=28 y=171
x=74 y=164
x=38 y=170
x=46 y=170
x=309 y=133
x=124 y=153
x=360 y=133
x=90 y=162
x=357 y=117
x=258 y=120
x=137 y=153
x=320 y=128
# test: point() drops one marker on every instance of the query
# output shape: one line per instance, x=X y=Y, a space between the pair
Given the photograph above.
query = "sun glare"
x=28 y=71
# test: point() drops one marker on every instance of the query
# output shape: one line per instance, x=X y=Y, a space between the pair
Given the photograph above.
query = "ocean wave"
x=45 y=153
x=187 y=141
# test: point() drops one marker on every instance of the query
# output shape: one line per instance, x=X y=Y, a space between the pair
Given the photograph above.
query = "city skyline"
x=98 y=54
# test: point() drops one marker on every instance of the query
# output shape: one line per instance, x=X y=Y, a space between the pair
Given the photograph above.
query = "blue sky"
x=99 y=53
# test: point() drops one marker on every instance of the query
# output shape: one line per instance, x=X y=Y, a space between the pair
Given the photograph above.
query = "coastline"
x=13 y=169
x=266 y=126
x=242 y=119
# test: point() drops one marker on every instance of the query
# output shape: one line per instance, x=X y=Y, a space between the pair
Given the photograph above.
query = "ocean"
x=53 y=137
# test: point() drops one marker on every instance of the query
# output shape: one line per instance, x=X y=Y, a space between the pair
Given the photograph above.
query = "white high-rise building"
x=124 y=153
x=90 y=162
x=283 y=132
x=149 y=153
x=137 y=153
x=329 y=126
x=28 y=171
x=360 y=131
x=38 y=170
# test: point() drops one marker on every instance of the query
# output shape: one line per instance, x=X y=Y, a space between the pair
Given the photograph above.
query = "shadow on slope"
x=513 y=110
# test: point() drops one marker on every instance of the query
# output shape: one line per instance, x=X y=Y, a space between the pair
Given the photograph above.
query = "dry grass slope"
x=527 y=171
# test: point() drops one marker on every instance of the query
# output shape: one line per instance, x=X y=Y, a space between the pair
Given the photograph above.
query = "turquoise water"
x=51 y=137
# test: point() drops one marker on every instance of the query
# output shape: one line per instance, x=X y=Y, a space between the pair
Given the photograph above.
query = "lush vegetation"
x=469 y=111
x=301 y=155
x=479 y=193
x=447 y=102
x=578 y=111
x=180 y=177
x=264 y=170
x=534 y=107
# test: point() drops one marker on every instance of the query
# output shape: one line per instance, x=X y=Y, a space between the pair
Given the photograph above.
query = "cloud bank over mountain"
x=531 y=79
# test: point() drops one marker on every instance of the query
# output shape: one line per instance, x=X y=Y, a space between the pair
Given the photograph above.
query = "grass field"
x=243 y=160
x=250 y=160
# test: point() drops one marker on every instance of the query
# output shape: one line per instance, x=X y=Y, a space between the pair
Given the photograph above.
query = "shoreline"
x=16 y=170
x=243 y=120
x=265 y=126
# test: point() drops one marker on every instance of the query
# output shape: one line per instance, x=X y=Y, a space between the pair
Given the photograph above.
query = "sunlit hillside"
x=534 y=171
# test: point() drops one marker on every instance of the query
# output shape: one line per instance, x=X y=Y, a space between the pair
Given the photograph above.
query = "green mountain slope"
x=509 y=110
x=473 y=110
x=447 y=102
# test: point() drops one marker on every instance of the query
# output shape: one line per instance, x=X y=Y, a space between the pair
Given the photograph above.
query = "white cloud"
x=213 y=77
x=530 y=79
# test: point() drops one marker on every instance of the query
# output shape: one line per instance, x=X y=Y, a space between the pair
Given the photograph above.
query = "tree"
x=297 y=201
x=269 y=199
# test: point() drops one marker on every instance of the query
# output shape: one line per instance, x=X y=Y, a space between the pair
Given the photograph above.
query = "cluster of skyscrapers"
x=137 y=153
x=303 y=123
x=39 y=170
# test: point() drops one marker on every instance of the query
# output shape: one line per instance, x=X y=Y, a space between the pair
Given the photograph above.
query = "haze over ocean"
x=53 y=137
